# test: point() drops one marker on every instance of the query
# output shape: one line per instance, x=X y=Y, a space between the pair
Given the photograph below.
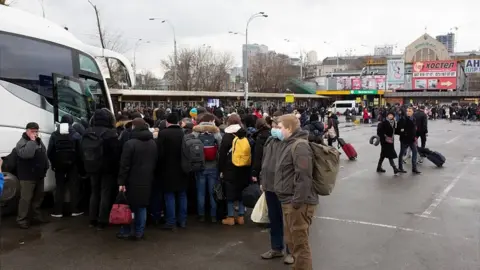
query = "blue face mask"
x=277 y=133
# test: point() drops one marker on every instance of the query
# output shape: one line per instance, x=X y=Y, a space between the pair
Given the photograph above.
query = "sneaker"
x=228 y=221
x=77 y=214
x=57 y=215
x=271 y=254
x=289 y=259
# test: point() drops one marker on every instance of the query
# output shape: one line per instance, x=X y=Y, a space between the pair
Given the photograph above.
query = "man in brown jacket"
x=293 y=186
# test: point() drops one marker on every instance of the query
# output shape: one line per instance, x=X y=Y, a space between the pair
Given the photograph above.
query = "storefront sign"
x=364 y=92
x=434 y=75
x=472 y=66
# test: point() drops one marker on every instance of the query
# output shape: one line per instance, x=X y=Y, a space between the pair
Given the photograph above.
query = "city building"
x=251 y=52
x=426 y=48
x=448 y=40
x=312 y=57
x=384 y=50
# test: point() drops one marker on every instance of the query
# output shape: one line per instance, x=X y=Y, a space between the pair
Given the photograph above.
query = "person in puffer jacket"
x=315 y=129
x=207 y=178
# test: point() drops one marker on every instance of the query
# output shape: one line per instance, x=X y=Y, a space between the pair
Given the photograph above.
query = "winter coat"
x=333 y=122
x=32 y=163
x=137 y=167
x=269 y=163
x=293 y=172
x=73 y=135
x=170 y=173
x=207 y=127
x=421 y=120
x=407 y=129
x=103 y=122
x=315 y=127
x=235 y=178
x=385 y=129
x=260 y=137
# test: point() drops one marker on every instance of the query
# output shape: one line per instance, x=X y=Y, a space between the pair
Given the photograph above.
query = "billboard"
x=396 y=72
x=356 y=83
x=344 y=83
x=373 y=82
x=434 y=75
x=472 y=66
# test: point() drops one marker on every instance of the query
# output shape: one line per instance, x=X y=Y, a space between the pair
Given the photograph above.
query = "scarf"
x=392 y=122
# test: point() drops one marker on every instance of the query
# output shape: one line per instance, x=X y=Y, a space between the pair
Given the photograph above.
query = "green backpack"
x=326 y=164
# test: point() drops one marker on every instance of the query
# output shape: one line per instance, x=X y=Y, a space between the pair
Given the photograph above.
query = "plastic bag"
x=260 y=211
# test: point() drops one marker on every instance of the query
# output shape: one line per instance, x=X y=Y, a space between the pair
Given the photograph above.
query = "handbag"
x=389 y=139
x=250 y=195
x=218 y=194
x=260 y=211
x=121 y=214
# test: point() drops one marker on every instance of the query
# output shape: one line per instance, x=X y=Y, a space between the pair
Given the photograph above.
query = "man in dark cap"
x=32 y=166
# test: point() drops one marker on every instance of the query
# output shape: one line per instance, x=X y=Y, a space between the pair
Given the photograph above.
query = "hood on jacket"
x=264 y=132
x=68 y=119
x=316 y=125
x=236 y=129
x=141 y=133
x=298 y=134
x=103 y=118
x=206 y=127
x=79 y=128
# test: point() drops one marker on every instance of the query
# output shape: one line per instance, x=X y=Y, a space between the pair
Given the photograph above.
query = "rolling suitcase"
x=436 y=158
x=348 y=149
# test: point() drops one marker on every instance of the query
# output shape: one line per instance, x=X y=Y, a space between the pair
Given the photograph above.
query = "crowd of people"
x=149 y=162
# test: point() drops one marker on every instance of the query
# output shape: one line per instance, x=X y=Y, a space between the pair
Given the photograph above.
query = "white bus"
x=340 y=106
x=45 y=72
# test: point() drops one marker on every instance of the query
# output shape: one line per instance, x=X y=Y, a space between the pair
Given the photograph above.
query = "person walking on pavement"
x=173 y=180
x=136 y=175
x=333 y=133
x=64 y=153
x=421 y=120
x=293 y=186
x=407 y=130
x=386 y=131
x=32 y=166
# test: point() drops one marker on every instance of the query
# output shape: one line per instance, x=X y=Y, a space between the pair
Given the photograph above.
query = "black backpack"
x=92 y=148
x=65 y=154
x=193 y=156
x=10 y=162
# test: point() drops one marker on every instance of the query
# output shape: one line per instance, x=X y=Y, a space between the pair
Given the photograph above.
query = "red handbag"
x=121 y=214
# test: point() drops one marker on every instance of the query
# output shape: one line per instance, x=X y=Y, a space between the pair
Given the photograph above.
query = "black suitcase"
x=424 y=152
x=436 y=158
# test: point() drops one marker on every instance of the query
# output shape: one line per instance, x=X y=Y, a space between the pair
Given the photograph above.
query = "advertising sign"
x=373 y=82
x=472 y=66
x=344 y=83
x=356 y=83
x=434 y=75
x=395 y=72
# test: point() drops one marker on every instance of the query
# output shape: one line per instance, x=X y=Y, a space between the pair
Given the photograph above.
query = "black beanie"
x=173 y=118
x=32 y=125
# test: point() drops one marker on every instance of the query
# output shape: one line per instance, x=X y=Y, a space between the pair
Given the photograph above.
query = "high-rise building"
x=448 y=40
x=312 y=57
x=252 y=51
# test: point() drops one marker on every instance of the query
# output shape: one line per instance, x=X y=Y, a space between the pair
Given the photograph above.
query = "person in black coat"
x=407 y=130
x=421 y=119
x=235 y=179
x=102 y=183
x=173 y=181
x=136 y=175
x=315 y=129
x=386 y=131
x=260 y=137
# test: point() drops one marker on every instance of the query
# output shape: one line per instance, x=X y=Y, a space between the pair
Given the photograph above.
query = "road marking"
x=354 y=174
x=453 y=139
x=227 y=246
x=441 y=196
x=387 y=226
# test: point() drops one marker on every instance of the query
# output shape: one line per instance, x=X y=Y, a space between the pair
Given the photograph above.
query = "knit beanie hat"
x=193 y=112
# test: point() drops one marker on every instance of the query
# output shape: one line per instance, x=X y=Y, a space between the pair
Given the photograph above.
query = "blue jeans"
x=138 y=225
x=275 y=214
x=231 y=210
x=171 y=216
x=156 y=204
x=206 y=179
x=403 y=150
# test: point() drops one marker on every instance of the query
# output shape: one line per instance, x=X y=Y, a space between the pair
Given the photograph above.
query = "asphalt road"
x=372 y=221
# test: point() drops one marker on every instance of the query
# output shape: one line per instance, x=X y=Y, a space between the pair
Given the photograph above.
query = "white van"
x=340 y=106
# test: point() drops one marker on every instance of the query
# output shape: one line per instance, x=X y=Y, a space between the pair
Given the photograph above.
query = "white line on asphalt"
x=453 y=139
x=351 y=221
x=354 y=174
x=227 y=246
x=441 y=196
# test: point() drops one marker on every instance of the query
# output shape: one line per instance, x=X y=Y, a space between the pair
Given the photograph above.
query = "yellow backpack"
x=241 y=152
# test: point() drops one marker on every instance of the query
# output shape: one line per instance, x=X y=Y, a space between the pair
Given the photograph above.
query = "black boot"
x=380 y=170
x=395 y=170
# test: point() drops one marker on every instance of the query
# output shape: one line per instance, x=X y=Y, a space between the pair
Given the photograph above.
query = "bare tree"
x=200 y=69
x=270 y=72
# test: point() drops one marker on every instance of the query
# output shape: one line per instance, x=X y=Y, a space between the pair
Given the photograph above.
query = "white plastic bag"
x=260 y=211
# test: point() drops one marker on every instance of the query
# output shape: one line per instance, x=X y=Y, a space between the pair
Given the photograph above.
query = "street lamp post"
x=174 y=49
x=256 y=15
x=301 y=58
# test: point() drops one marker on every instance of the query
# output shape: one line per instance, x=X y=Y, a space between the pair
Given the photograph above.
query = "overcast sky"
x=344 y=24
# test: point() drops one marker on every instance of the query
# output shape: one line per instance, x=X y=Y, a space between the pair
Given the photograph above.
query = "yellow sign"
x=376 y=62
x=289 y=98
x=375 y=101
x=358 y=100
